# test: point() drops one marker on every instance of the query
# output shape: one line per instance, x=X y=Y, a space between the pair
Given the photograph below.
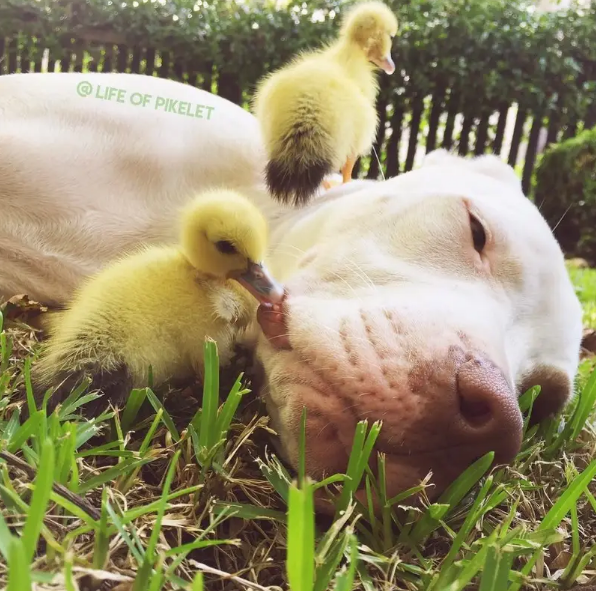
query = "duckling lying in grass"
x=318 y=114
x=155 y=307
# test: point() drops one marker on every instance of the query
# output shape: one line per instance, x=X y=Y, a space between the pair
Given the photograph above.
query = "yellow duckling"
x=155 y=307
x=317 y=114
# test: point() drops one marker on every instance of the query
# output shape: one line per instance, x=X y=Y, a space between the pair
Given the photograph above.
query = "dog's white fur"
x=403 y=247
x=83 y=180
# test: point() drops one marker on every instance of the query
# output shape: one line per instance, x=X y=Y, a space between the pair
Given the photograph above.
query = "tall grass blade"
x=5 y=538
x=495 y=573
x=165 y=416
x=133 y=404
x=102 y=539
x=208 y=417
x=302 y=449
x=229 y=408
x=19 y=569
x=300 y=561
x=197 y=583
x=345 y=580
x=26 y=430
x=39 y=500
x=558 y=511
x=585 y=407
x=359 y=456
x=453 y=495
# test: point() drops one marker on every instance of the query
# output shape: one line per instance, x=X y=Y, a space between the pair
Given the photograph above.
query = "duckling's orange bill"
x=260 y=283
x=386 y=64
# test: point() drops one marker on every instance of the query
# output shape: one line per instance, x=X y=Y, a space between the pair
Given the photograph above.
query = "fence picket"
x=440 y=112
x=164 y=68
x=149 y=61
x=79 y=53
x=207 y=78
x=374 y=168
x=2 y=54
x=530 y=159
x=497 y=145
x=13 y=48
x=438 y=104
x=481 y=135
x=464 y=135
x=392 y=157
x=66 y=58
x=39 y=51
x=135 y=64
x=417 y=110
x=518 y=131
x=108 y=58
x=122 y=58
x=25 y=65
x=452 y=110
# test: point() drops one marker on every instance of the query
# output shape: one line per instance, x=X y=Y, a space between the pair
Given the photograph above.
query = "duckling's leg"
x=346 y=171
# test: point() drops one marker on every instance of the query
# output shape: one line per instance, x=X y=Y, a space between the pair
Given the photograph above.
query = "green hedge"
x=468 y=57
x=488 y=52
x=565 y=191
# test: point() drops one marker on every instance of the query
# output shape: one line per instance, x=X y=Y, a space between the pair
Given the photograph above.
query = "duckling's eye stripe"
x=225 y=247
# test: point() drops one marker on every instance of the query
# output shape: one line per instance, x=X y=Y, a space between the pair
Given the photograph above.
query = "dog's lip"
x=434 y=451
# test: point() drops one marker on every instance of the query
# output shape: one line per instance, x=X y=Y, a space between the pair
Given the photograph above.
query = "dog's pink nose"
x=488 y=410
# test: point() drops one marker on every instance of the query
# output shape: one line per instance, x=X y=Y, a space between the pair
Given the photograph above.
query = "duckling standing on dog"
x=317 y=114
x=156 y=307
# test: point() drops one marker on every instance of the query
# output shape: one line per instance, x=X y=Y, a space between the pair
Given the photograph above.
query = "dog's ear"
x=488 y=165
x=493 y=166
x=441 y=157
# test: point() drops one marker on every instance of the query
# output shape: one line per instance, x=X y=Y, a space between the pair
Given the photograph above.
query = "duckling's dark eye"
x=225 y=247
x=478 y=234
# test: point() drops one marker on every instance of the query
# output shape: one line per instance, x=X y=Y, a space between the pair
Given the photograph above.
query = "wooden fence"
x=409 y=128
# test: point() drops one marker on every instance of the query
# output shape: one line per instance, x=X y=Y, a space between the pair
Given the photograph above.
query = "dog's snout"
x=442 y=402
x=488 y=408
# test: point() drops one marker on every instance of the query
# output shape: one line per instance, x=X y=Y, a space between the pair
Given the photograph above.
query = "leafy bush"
x=565 y=191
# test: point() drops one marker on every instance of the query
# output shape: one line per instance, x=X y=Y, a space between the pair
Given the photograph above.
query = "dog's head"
x=430 y=301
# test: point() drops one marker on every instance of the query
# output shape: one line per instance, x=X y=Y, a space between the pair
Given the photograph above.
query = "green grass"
x=585 y=287
x=150 y=499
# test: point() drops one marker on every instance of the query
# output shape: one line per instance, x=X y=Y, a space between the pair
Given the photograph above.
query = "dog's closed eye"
x=478 y=234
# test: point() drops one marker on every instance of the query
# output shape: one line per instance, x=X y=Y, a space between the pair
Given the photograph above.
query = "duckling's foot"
x=332 y=181
x=347 y=170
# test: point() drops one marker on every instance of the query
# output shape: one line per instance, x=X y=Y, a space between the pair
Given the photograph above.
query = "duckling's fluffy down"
x=317 y=113
x=152 y=309
x=328 y=119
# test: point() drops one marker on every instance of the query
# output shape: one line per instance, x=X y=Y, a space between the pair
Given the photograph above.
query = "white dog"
x=430 y=301
x=85 y=178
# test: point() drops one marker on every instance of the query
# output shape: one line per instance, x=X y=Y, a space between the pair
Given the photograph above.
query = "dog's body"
x=84 y=179
x=429 y=301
